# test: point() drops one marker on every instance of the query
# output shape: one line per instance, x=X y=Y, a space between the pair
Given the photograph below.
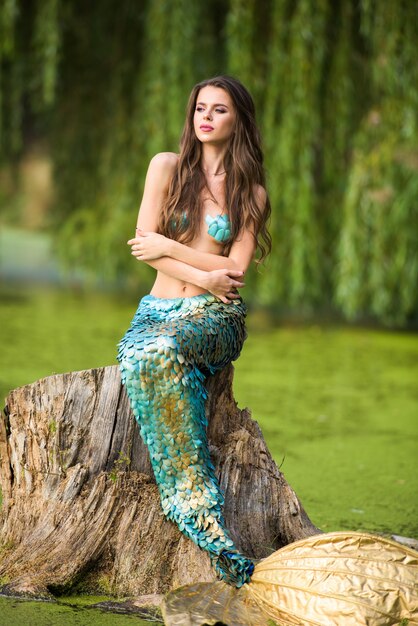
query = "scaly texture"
x=165 y=356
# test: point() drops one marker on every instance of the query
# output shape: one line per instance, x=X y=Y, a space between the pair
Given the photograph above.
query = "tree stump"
x=81 y=508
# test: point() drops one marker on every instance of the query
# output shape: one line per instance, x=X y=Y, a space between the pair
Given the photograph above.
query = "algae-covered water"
x=337 y=405
x=339 y=410
x=67 y=612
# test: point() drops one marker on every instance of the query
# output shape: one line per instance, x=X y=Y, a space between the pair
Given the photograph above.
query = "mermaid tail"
x=353 y=579
x=334 y=579
x=165 y=356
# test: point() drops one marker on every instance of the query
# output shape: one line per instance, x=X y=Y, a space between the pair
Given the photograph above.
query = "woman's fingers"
x=228 y=297
x=236 y=278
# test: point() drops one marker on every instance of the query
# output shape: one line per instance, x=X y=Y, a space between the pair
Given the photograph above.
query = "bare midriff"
x=168 y=287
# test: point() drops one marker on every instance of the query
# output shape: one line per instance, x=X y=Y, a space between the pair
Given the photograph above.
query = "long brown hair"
x=243 y=163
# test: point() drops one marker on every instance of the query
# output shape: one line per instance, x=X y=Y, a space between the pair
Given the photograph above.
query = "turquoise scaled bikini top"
x=219 y=227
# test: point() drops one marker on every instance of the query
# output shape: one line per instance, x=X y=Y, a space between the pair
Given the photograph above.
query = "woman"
x=201 y=219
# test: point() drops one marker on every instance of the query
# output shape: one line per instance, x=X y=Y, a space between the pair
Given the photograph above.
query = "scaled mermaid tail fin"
x=334 y=579
x=165 y=356
x=232 y=567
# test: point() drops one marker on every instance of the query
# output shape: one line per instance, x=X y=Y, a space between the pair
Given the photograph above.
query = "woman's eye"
x=217 y=110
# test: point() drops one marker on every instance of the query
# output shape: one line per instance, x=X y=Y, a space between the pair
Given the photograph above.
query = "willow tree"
x=104 y=86
x=378 y=263
x=292 y=126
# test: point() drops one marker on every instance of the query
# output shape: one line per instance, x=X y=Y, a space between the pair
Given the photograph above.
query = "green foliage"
x=377 y=256
x=8 y=13
x=46 y=43
x=293 y=136
x=336 y=88
x=240 y=28
x=4 y=580
x=120 y=464
x=378 y=263
x=6 y=546
x=104 y=584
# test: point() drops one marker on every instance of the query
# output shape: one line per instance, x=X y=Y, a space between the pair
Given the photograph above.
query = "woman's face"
x=214 y=116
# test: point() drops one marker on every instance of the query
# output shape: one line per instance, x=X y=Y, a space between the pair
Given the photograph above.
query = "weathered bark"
x=80 y=504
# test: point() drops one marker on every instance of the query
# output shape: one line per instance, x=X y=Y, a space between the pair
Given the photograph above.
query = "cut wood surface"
x=80 y=504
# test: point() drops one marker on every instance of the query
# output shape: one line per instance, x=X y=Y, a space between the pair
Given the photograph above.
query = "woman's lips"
x=205 y=127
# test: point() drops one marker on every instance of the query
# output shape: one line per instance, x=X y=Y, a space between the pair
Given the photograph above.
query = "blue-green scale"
x=219 y=227
x=165 y=356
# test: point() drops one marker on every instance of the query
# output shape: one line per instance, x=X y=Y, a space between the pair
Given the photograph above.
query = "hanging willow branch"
x=378 y=263
x=46 y=45
x=336 y=89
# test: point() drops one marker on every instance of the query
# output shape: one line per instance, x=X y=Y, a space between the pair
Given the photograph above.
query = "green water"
x=64 y=613
x=338 y=408
x=337 y=405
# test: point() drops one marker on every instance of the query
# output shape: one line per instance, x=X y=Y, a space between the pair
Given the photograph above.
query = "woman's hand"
x=224 y=284
x=147 y=246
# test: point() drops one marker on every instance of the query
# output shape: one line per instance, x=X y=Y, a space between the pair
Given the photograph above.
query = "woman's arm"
x=221 y=283
x=160 y=172
x=240 y=255
x=150 y=245
x=147 y=246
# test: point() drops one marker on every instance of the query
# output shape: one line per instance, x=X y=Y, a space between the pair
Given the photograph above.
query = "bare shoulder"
x=164 y=161
x=161 y=169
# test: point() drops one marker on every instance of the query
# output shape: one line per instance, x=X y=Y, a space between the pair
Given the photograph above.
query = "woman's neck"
x=212 y=160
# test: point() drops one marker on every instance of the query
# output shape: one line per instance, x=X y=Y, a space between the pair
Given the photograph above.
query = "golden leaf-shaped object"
x=333 y=579
x=211 y=603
